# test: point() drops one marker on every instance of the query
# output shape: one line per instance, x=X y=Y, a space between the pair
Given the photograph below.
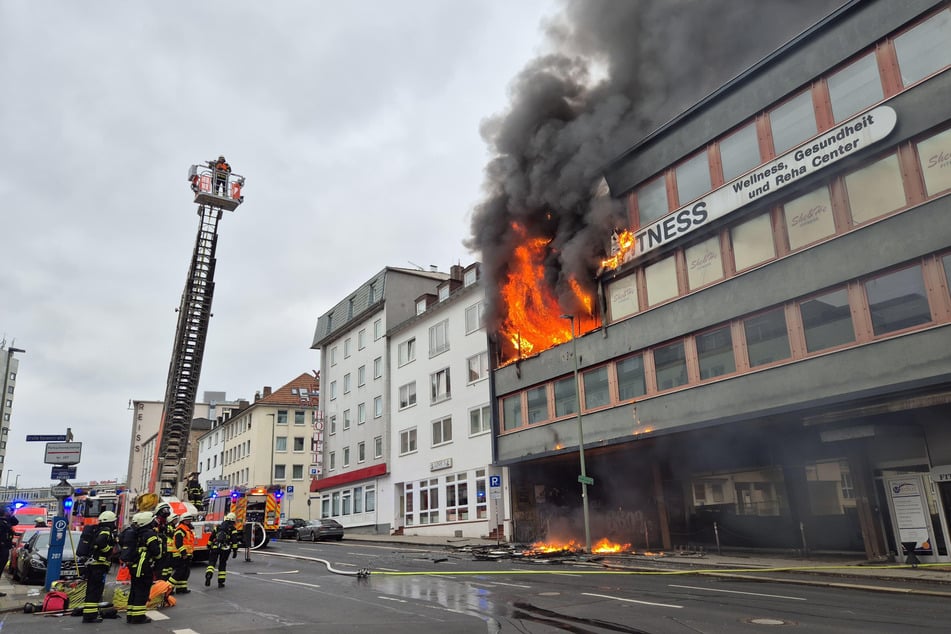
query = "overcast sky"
x=356 y=125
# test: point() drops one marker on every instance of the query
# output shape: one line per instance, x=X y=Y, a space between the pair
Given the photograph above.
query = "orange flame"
x=532 y=320
x=626 y=244
x=606 y=546
x=603 y=546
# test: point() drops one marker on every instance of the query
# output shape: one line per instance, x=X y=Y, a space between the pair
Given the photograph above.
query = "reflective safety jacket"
x=170 y=544
x=225 y=537
x=150 y=552
x=184 y=540
x=222 y=166
x=103 y=548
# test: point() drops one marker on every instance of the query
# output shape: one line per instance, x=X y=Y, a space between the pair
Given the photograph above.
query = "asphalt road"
x=302 y=587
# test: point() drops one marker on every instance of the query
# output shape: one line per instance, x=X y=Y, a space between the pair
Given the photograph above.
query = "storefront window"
x=830 y=487
x=934 y=154
x=566 y=397
x=767 y=339
x=793 y=122
x=670 y=366
x=875 y=189
x=924 y=49
x=739 y=152
x=596 y=393
x=652 y=201
x=897 y=300
x=753 y=242
x=809 y=218
x=693 y=178
x=630 y=377
x=622 y=297
x=511 y=412
x=827 y=321
x=854 y=87
x=704 y=264
x=760 y=493
x=537 y=404
x=661 y=280
x=715 y=353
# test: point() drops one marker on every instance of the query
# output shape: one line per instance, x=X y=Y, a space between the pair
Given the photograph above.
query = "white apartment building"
x=11 y=366
x=353 y=451
x=267 y=442
x=441 y=443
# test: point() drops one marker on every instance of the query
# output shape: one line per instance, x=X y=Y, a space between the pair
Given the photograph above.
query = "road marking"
x=392 y=599
x=607 y=596
x=185 y=631
x=752 y=594
x=388 y=569
x=155 y=615
x=511 y=585
x=296 y=583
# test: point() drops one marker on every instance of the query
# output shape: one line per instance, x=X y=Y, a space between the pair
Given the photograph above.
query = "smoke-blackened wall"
x=617 y=71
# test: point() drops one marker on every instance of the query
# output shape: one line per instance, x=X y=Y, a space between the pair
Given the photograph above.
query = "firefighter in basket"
x=224 y=541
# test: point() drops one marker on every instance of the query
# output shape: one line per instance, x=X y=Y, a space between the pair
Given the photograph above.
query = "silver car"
x=315 y=530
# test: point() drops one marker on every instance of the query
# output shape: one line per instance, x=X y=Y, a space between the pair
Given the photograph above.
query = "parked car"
x=31 y=560
x=21 y=539
x=320 y=529
x=288 y=529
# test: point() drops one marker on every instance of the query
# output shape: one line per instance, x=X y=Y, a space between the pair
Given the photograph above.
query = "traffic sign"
x=586 y=480
x=62 y=473
x=63 y=453
x=495 y=481
x=61 y=490
x=289 y=488
x=46 y=438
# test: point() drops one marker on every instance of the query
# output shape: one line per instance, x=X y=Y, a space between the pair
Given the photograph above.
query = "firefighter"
x=149 y=550
x=97 y=567
x=7 y=522
x=224 y=540
x=184 y=539
x=194 y=491
x=222 y=170
x=164 y=568
x=173 y=559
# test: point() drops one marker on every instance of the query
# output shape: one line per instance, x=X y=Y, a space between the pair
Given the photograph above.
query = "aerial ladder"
x=216 y=191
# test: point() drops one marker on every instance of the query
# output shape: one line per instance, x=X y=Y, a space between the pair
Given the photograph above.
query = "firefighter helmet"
x=187 y=517
x=231 y=517
x=143 y=519
x=107 y=517
x=173 y=518
x=163 y=509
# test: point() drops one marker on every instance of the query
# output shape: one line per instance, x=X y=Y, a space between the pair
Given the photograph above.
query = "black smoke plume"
x=619 y=69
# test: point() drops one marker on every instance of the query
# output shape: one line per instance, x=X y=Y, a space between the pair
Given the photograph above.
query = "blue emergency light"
x=68 y=503
x=19 y=504
x=234 y=495
x=279 y=494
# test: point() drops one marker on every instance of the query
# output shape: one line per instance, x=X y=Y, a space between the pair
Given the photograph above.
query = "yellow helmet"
x=143 y=519
x=231 y=517
x=107 y=517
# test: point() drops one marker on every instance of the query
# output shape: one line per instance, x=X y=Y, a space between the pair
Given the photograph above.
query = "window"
x=946 y=261
x=596 y=393
x=934 y=155
x=299 y=416
x=474 y=317
x=566 y=396
x=408 y=441
x=439 y=338
x=442 y=431
x=336 y=503
x=371 y=293
x=661 y=280
x=827 y=320
x=361 y=413
x=333 y=390
x=346 y=456
x=809 y=218
x=469 y=277
x=693 y=178
x=370 y=499
x=332 y=462
x=457 y=498
x=480 y=420
x=346 y=383
x=630 y=378
x=333 y=356
x=875 y=189
x=297 y=472
x=440 y=390
x=482 y=508
x=622 y=298
x=281 y=418
x=429 y=501
x=361 y=452
x=377 y=448
x=280 y=472
x=652 y=201
x=406 y=351
x=715 y=353
x=753 y=242
x=280 y=443
x=478 y=367
x=793 y=122
x=377 y=407
x=378 y=367
x=346 y=419
x=362 y=339
x=377 y=329
x=923 y=50
x=333 y=424
x=670 y=366
x=443 y=292
x=361 y=376
x=739 y=152
x=766 y=337
x=298 y=443
x=421 y=306
x=408 y=395
x=704 y=263
x=347 y=348
x=512 y=412
x=537 y=404
x=854 y=87
x=897 y=300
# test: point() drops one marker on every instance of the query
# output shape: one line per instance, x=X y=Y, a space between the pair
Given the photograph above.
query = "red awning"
x=350 y=476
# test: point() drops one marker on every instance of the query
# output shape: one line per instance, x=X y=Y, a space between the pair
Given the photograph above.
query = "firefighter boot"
x=207 y=579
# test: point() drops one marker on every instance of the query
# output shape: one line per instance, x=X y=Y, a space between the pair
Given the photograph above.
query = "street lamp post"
x=584 y=476
x=6 y=485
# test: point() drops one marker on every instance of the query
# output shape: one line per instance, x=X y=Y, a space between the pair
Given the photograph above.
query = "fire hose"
x=254 y=542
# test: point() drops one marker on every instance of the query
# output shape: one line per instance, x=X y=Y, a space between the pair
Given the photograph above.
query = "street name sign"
x=63 y=453
x=62 y=473
x=46 y=438
x=61 y=490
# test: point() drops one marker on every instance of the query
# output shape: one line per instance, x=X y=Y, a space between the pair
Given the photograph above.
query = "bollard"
x=716 y=534
x=802 y=534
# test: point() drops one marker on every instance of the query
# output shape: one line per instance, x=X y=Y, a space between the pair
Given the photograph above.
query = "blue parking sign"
x=495 y=482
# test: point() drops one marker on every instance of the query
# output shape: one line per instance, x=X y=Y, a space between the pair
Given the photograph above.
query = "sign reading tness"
x=63 y=453
x=62 y=473
x=46 y=438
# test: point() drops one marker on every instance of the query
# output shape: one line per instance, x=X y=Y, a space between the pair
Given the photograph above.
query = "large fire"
x=603 y=546
x=532 y=319
x=622 y=250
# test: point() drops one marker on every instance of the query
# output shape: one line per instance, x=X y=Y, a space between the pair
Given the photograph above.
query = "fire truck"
x=215 y=191
x=257 y=510
x=87 y=505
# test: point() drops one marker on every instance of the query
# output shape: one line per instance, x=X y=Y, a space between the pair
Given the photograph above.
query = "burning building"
x=763 y=298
